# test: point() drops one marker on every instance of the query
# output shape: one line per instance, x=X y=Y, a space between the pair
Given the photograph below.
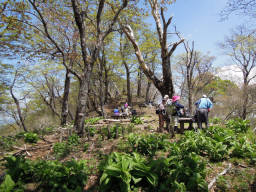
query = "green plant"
x=136 y=120
x=220 y=134
x=130 y=127
x=238 y=125
x=242 y=148
x=222 y=184
x=30 y=137
x=20 y=135
x=73 y=140
x=216 y=120
x=56 y=176
x=123 y=172
x=111 y=132
x=8 y=184
x=49 y=175
x=180 y=172
x=7 y=143
x=92 y=121
x=86 y=147
x=148 y=144
x=61 y=150
x=19 y=168
x=92 y=130
x=47 y=130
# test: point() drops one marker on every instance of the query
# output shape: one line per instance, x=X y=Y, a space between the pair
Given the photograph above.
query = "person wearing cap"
x=161 y=114
x=173 y=112
x=203 y=107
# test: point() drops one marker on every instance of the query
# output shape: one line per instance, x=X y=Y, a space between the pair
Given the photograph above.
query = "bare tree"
x=164 y=85
x=195 y=72
x=245 y=7
x=190 y=63
x=21 y=119
x=53 y=35
x=89 y=58
x=240 y=46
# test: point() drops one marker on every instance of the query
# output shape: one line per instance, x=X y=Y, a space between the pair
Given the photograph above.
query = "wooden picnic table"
x=182 y=120
x=120 y=116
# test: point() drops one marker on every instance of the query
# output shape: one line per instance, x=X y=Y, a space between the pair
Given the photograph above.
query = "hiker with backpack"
x=173 y=111
x=161 y=114
x=203 y=107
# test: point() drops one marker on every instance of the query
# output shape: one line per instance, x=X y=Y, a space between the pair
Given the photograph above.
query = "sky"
x=199 y=20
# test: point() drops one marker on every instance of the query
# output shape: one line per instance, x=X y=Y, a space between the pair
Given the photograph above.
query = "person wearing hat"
x=161 y=114
x=173 y=112
x=203 y=107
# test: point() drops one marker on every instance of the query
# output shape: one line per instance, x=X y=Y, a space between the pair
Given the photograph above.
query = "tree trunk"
x=17 y=103
x=81 y=104
x=106 y=82
x=128 y=84
x=139 y=82
x=190 y=99
x=147 y=92
x=245 y=101
x=64 y=108
x=189 y=84
x=101 y=91
x=167 y=88
x=164 y=86
x=89 y=59
x=106 y=94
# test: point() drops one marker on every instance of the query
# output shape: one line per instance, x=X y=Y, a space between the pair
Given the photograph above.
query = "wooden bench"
x=121 y=116
x=182 y=120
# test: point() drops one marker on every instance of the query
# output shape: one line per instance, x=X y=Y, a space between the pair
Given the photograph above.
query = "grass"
x=238 y=179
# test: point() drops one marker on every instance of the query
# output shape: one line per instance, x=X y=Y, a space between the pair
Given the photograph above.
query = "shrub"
x=92 y=121
x=8 y=184
x=136 y=120
x=222 y=184
x=47 y=130
x=201 y=144
x=238 y=125
x=86 y=147
x=7 y=142
x=73 y=139
x=220 y=134
x=244 y=149
x=123 y=172
x=54 y=176
x=148 y=144
x=50 y=175
x=216 y=120
x=30 y=137
x=92 y=130
x=61 y=150
x=113 y=131
x=20 y=135
x=130 y=127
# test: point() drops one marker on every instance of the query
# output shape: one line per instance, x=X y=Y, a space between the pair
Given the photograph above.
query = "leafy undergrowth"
x=130 y=157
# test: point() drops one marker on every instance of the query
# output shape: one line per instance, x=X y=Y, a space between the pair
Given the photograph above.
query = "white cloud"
x=234 y=74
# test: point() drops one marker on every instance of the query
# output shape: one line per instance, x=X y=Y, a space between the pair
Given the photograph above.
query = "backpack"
x=170 y=109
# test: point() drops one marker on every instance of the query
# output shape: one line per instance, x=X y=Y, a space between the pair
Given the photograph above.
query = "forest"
x=65 y=65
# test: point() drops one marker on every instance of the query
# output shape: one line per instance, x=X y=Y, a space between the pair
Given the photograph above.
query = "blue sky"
x=199 y=20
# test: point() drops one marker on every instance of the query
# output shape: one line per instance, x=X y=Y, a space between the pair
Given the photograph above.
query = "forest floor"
x=238 y=178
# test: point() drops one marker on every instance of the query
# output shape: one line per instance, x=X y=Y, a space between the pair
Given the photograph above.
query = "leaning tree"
x=165 y=83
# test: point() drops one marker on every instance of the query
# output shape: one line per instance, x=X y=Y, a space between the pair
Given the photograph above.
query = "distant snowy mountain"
x=234 y=74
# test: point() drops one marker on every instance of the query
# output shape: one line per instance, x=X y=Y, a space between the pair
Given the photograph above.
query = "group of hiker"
x=170 y=110
x=124 y=110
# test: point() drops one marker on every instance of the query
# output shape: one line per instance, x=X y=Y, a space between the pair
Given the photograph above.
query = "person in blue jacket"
x=203 y=107
x=116 y=111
